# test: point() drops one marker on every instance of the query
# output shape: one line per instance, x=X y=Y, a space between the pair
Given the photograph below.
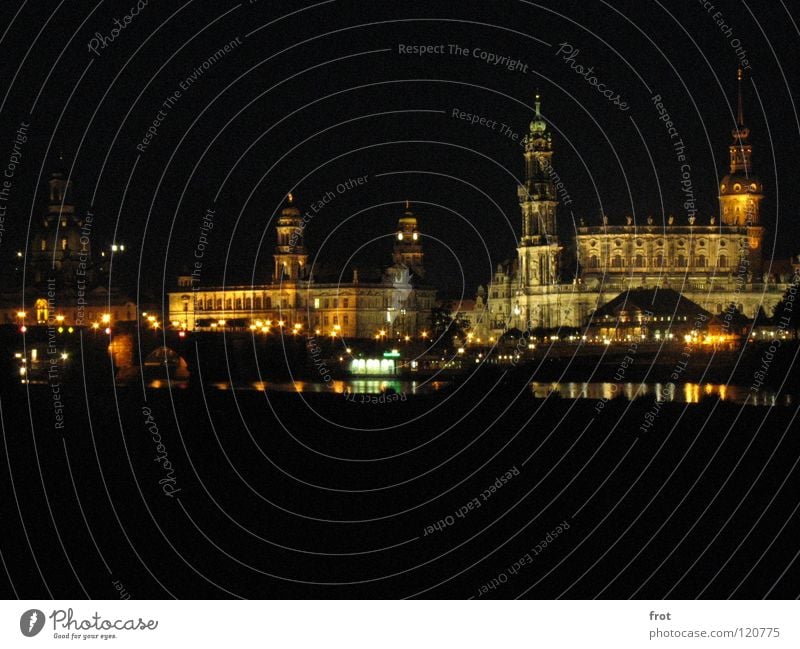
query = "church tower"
x=408 y=243
x=538 y=249
x=57 y=245
x=290 y=256
x=741 y=191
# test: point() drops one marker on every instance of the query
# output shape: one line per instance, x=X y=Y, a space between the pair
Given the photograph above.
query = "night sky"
x=310 y=95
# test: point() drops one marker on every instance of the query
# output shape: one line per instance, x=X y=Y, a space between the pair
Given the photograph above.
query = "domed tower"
x=740 y=191
x=408 y=243
x=57 y=245
x=290 y=256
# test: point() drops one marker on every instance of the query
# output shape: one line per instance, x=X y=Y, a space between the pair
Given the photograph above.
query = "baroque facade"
x=388 y=303
x=714 y=264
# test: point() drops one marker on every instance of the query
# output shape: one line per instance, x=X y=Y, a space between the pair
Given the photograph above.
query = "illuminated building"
x=715 y=263
x=296 y=302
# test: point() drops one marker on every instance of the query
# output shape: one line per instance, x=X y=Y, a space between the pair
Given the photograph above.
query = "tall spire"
x=740 y=76
x=740 y=148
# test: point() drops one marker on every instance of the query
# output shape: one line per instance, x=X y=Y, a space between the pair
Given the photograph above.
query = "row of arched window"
x=211 y=304
x=639 y=261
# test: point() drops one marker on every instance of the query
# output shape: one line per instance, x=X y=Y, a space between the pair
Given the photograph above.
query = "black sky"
x=317 y=93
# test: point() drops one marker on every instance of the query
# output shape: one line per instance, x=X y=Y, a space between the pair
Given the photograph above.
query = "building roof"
x=655 y=302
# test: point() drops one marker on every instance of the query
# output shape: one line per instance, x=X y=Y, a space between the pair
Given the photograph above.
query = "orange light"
x=106 y=318
x=21 y=314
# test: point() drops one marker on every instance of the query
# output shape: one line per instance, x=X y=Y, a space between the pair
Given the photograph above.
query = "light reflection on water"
x=351 y=386
x=680 y=393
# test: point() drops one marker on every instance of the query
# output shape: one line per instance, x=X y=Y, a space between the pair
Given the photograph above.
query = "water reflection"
x=351 y=386
x=681 y=393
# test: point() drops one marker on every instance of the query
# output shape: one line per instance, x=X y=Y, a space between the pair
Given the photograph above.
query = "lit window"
x=316 y=303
